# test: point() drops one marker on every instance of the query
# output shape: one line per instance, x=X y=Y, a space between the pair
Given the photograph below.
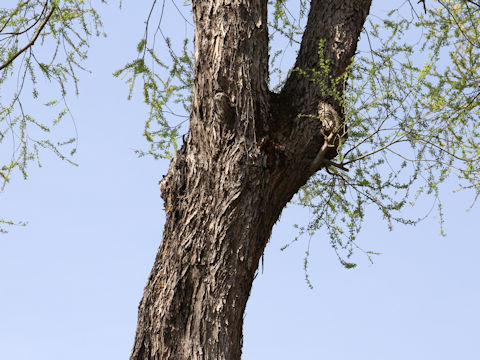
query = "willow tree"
x=247 y=153
x=344 y=129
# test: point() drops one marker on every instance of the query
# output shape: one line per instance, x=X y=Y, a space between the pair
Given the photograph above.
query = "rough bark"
x=246 y=155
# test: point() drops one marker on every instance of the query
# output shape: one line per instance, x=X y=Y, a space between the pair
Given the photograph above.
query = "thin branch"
x=327 y=163
x=425 y=141
x=379 y=127
x=30 y=44
x=473 y=2
x=147 y=22
x=456 y=22
x=424 y=6
x=435 y=161
x=28 y=28
x=181 y=14
x=375 y=151
x=6 y=22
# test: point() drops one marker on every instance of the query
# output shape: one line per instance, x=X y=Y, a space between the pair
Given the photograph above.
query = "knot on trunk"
x=223 y=108
x=333 y=130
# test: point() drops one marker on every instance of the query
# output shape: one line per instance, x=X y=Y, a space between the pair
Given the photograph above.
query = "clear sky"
x=71 y=281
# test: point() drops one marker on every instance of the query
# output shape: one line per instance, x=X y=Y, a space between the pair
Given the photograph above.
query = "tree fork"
x=246 y=155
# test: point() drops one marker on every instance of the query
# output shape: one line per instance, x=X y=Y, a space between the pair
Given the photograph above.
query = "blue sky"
x=71 y=281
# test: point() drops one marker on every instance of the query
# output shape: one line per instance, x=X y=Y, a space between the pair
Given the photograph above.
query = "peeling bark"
x=246 y=155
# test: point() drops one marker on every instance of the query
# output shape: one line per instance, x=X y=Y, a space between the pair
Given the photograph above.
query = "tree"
x=246 y=155
x=248 y=152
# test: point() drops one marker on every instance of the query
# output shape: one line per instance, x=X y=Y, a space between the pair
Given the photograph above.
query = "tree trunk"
x=247 y=153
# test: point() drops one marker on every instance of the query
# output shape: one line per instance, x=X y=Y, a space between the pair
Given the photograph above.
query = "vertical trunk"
x=246 y=155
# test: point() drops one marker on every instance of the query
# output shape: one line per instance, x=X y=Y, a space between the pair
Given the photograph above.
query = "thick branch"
x=339 y=24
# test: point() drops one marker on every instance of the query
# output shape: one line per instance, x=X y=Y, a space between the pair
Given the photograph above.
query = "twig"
x=473 y=2
x=424 y=6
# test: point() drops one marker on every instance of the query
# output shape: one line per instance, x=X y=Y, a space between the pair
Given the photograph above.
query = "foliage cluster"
x=41 y=43
x=413 y=123
x=166 y=81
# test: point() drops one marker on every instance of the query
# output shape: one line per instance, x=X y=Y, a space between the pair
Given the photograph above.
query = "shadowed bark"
x=246 y=155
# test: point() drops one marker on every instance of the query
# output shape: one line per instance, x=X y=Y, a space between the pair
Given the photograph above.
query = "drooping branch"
x=16 y=33
x=32 y=41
